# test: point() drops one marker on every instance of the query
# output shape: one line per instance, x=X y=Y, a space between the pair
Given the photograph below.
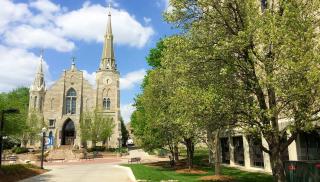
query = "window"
x=40 y=104
x=52 y=123
x=71 y=101
x=35 y=102
x=51 y=103
x=106 y=103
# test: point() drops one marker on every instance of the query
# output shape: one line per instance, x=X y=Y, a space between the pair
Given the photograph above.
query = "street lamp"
x=2 y=112
x=42 y=145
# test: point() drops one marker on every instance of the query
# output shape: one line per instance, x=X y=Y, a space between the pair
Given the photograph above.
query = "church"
x=63 y=103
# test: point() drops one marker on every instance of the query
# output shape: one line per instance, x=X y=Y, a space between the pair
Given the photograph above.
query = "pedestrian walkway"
x=85 y=173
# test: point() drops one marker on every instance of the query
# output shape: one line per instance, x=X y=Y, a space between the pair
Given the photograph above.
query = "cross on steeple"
x=73 y=64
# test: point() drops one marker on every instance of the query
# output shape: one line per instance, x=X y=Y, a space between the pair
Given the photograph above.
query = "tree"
x=124 y=133
x=272 y=51
x=96 y=126
x=15 y=124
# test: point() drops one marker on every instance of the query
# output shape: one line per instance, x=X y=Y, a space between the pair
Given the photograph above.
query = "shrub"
x=162 y=152
x=20 y=150
x=97 y=149
x=122 y=150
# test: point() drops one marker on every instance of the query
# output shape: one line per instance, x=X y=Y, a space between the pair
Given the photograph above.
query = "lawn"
x=162 y=171
x=155 y=174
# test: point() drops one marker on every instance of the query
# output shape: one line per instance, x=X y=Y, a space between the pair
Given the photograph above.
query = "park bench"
x=11 y=158
x=135 y=159
x=56 y=159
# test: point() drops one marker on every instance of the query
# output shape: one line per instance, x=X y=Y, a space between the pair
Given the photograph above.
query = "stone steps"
x=63 y=152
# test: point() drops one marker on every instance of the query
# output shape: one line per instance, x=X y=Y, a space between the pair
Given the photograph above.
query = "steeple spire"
x=73 y=65
x=39 y=83
x=107 y=58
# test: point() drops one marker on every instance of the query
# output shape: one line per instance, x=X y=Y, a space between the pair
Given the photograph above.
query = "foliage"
x=269 y=55
x=155 y=54
x=124 y=133
x=96 y=126
x=97 y=148
x=17 y=99
x=19 y=150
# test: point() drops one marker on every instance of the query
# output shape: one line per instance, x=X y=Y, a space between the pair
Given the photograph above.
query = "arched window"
x=35 y=102
x=106 y=103
x=71 y=101
x=40 y=104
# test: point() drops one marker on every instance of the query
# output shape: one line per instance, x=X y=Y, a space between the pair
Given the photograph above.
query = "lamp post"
x=2 y=112
x=42 y=145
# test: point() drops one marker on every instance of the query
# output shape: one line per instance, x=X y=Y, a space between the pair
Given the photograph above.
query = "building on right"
x=240 y=150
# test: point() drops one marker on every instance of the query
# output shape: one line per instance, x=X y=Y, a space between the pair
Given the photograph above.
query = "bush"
x=162 y=152
x=20 y=150
x=97 y=149
x=111 y=149
x=122 y=150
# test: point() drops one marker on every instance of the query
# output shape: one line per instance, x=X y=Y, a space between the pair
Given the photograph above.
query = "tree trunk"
x=277 y=166
x=217 y=164
x=176 y=152
x=190 y=149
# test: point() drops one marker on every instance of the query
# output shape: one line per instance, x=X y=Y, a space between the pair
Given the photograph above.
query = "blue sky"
x=66 y=28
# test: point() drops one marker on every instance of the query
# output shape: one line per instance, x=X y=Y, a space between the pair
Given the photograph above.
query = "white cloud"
x=89 y=24
x=113 y=3
x=11 y=12
x=18 y=68
x=44 y=24
x=131 y=79
x=90 y=77
x=45 y=6
x=25 y=36
x=146 y=20
x=126 y=112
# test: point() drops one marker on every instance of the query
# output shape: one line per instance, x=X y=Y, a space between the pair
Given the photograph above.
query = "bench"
x=135 y=159
x=54 y=159
x=11 y=158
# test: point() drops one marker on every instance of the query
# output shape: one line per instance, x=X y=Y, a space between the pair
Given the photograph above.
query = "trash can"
x=302 y=171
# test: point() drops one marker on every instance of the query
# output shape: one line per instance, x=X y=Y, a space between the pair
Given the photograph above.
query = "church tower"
x=38 y=89
x=107 y=81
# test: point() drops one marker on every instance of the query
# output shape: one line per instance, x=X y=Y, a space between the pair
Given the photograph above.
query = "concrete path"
x=85 y=173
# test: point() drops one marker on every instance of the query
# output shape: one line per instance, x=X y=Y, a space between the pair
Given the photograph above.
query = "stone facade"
x=63 y=103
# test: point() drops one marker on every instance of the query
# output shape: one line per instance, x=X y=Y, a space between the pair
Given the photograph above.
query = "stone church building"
x=62 y=104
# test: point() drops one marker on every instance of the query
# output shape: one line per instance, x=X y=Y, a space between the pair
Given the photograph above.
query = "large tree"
x=15 y=124
x=272 y=49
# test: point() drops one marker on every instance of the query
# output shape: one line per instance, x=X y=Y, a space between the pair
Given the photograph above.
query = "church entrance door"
x=68 y=133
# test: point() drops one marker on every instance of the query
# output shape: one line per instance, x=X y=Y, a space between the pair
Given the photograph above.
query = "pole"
x=42 y=148
x=1 y=137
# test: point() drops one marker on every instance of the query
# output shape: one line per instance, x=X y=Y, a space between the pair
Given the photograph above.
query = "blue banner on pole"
x=50 y=141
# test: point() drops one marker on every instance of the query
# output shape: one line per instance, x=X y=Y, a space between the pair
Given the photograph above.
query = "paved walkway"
x=85 y=173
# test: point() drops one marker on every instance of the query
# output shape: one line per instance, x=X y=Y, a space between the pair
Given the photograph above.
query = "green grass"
x=156 y=174
x=16 y=168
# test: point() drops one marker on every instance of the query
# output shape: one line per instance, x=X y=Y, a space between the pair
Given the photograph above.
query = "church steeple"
x=39 y=83
x=107 y=58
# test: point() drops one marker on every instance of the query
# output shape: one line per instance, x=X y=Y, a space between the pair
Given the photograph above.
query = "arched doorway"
x=68 y=133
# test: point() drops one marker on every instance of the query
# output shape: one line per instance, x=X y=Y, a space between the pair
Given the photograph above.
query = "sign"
x=50 y=141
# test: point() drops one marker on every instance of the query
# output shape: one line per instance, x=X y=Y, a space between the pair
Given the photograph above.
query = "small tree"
x=124 y=132
x=96 y=126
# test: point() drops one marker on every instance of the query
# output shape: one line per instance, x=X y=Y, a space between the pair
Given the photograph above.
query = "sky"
x=67 y=28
